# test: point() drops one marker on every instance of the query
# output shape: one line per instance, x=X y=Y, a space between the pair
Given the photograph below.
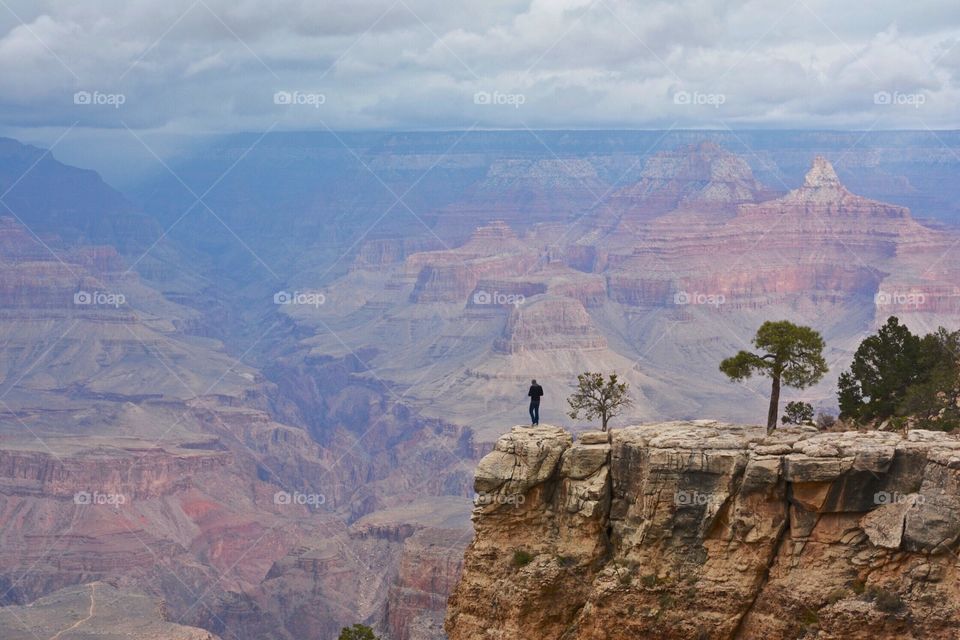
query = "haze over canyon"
x=246 y=397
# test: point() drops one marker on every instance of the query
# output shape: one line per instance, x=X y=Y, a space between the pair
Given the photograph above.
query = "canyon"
x=265 y=411
x=702 y=529
x=658 y=283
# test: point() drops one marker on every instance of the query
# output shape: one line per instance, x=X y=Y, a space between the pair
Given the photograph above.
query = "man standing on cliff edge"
x=535 y=393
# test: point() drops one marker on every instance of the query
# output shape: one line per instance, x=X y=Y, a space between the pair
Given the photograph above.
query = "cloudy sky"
x=185 y=66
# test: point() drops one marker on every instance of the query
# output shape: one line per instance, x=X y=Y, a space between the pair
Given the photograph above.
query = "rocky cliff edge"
x=707 y=530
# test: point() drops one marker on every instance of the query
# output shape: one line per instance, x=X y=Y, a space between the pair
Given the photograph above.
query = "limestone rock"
x=594 y=437
x=581 y=461
x=522 y=459
x=701 y=529
x=933 y=524
x=884 y=525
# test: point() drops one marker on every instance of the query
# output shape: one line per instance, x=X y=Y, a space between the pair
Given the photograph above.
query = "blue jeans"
x=535 y=412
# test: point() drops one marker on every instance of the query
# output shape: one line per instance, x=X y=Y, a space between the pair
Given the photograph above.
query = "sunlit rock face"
x=711 y=530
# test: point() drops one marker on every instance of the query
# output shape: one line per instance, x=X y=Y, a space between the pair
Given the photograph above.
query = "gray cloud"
x=209 y=65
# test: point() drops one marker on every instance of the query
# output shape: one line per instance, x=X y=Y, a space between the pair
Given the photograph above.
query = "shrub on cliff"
x=884 y=600
x=522 y=558
x=789 y=354
x=825 y=421
x=798 y=413
x=357 y=632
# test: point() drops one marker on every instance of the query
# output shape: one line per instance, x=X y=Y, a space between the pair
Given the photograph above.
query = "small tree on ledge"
x=598 y=398
x=798 y=413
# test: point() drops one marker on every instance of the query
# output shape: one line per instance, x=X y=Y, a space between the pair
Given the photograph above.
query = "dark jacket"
x=535 y=392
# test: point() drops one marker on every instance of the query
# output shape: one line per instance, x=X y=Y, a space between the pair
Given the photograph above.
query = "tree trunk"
x=603 y=419
x=774 y=405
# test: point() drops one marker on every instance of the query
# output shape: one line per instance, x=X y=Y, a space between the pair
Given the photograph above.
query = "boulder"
x=581 y=461
x=932 y=524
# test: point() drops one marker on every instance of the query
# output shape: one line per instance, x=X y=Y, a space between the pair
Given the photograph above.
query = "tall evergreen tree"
x=789 y=354
x=884 y=367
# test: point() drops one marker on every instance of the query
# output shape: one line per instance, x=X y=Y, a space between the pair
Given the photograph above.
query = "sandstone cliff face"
x=708 y=530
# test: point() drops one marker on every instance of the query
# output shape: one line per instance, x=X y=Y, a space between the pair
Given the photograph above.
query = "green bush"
x=886 y=601
x=522 y=558
x=357 y=632
x=809 y=618
x=566 y=561
x=798 y=412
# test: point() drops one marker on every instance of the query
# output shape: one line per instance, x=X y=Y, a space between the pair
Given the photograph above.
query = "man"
x=535 y=393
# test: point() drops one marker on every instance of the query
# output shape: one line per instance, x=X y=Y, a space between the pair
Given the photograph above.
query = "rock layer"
x=709 y=530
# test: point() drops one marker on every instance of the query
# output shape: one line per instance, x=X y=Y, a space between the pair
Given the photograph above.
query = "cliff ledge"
x=708 y=530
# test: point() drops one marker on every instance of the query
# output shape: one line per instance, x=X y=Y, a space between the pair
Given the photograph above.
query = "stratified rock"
x=522 y=459
x=549 y=324
x=594 y=437
x=702 y=177
x=711 y=530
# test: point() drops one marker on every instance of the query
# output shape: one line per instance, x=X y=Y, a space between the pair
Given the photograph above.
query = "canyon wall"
x=706 y=530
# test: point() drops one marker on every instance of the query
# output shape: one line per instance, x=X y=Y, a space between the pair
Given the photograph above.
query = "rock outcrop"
x=549 y=323
x=707 y=530
x=702 y=177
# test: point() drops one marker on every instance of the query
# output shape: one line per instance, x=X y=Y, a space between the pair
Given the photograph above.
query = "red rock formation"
x=451 y=275
x=549 y=324
x=818 y=240
x=523 y=193
x=430 y=567
x=702 y=178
